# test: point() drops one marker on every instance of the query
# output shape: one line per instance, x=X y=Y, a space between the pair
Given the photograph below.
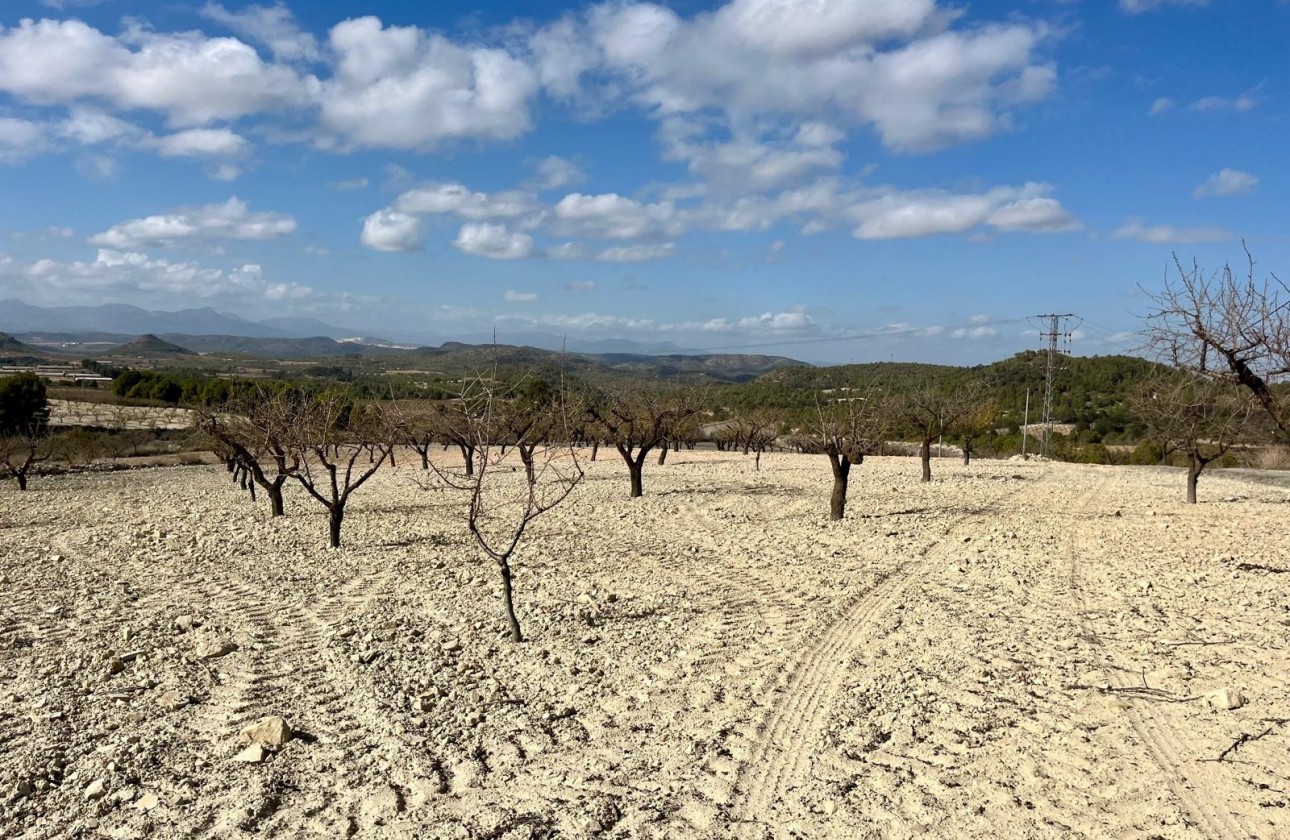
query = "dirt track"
x=1017 y=650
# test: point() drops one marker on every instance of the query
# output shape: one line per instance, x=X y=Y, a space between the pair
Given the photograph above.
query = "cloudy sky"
x=831 y=179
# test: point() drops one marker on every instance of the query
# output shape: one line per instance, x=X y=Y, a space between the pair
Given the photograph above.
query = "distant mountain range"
x=117 y=323
x=123 y=319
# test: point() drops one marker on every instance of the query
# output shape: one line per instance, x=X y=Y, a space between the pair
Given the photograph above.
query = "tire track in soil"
x=1171 y=751
x=795 y=723
x=286 y=668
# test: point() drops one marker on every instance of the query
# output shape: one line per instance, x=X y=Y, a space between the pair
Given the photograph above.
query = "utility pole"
x=1025 y=423
x=1054 y=331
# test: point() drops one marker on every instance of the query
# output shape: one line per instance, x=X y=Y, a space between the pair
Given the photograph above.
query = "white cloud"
x=974 y=332
x=465 y=203
x=1137 y=7
x=636 y=253
x=554 y=172
x=1169 y=235
x=748 y=164
x=897 y=66
x=1226 y=182
x=190 y=225
x=405 y=88
x=201 y=142
x=1161 y=105
x=494 y=241
x=513 y=296
x=191 y=79
x=274 y=26
x=1239 y=104
x=390 y=230
x=580 y=285
x=115 y=272
x=90 y=126
x=19 y=139
x=899 y=214
x=612 y=216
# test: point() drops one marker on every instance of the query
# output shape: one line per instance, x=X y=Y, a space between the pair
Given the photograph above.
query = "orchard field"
x=1018 y=649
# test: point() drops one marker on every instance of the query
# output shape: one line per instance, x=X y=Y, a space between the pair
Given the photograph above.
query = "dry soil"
x=1015 y=650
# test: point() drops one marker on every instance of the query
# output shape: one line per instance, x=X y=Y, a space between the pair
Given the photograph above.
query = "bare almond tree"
x=1203 y=417
x=933 y=410
x=338 y=445
x=22 y=453
x=637 y=418
x=504 y=500
x=255 y=429
x=1220 y=324
x=847 y=429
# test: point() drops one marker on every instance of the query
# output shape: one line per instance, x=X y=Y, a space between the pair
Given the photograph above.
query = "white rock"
x=1227 y=699
x=270 y=731
x=253 y=754
x=96 y=790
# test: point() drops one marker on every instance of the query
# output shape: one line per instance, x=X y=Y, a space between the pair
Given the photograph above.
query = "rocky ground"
x=1016 y=650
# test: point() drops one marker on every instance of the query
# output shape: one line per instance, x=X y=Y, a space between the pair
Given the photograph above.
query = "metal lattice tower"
x=1055 y=332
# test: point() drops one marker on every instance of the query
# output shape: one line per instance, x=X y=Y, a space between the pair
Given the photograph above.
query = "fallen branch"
x=1245 y=738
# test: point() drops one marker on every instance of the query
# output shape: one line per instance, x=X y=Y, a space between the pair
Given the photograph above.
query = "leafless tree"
x=934 y=410
x=754 y=431
x=22 y=453
x=256 y=429
x=637 y=418
x=976 y=423
x=1203 y=417
x=505 y=500
x=334 y=435
x=1220 y=324
x=846 y=430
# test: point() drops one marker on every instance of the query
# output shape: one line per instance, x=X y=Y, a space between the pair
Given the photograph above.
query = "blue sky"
x=836 y=180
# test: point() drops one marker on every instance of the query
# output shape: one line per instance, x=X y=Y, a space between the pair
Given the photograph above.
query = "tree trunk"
x=841 y=475
x=425 y=458
x=508 y=601
x=595 y=448
x=662 y=453
x=468 y=455
x=275 y=497
x=337 y=516
x=967 y=452
x=22 y=480
x=1194 y=467
x=634 y=468
x=757 y=463
x=926 y=454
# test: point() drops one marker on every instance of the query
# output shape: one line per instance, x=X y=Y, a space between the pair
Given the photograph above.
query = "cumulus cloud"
x=406 y=88
x=191 y=79
x=1226 y=182
x=554 y=172
x=201 y=142
x=1168 y=234
x=458 y=200
x=612 y=216
x=274 y=26
x=974 y=332
x=898 y=66
x=19 y=139
x=390 y=230
x=494 y=241
x=192 y=225
x=900 y=214
x=114 y=272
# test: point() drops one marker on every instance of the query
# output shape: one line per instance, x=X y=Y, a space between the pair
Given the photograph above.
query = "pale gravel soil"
x=1016 y=650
